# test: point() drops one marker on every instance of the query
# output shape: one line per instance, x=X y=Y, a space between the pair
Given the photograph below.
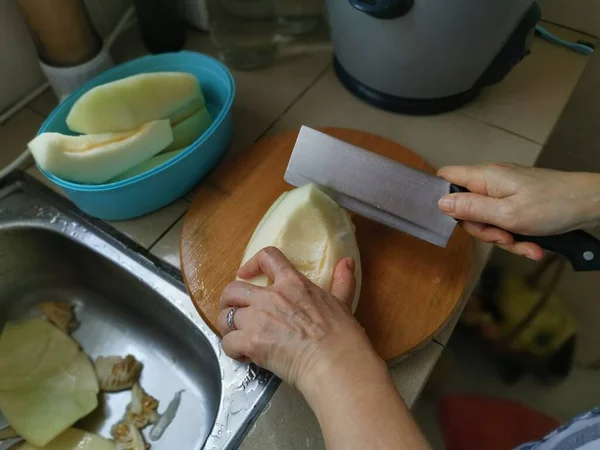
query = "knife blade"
x=402 y=197
x=371 y=185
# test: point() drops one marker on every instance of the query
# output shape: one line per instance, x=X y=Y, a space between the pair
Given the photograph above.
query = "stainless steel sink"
x=127 y=302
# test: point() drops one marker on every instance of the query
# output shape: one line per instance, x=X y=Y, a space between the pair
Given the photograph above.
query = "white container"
x=65 y=80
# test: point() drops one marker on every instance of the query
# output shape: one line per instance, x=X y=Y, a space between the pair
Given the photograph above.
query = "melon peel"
x=46 y=382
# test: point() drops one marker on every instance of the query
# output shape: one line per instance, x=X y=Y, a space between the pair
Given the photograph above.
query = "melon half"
x=312 y=231
x=96 y=158
x=189 y=129
x=131 y=102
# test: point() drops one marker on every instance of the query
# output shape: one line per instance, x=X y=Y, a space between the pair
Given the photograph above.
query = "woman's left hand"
x=309 y=338
x=292 y=328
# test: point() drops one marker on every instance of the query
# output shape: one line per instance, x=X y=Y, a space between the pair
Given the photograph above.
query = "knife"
x=402 y=197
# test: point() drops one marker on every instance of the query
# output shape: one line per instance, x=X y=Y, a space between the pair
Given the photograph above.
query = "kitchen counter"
x=509 y=122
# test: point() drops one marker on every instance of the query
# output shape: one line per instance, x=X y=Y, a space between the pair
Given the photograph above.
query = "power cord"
x=582 y=47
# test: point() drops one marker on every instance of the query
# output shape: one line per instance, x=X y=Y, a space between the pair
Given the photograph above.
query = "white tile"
x=263 y=95
x=411 y=374
x=581 y=15
x=34 y=172
x=44 y=103
x=16 y=133
x=574 y=141
x=168 y=248
x=451 y=138
x=145 y=230
x=530 y=99
x=289 y=423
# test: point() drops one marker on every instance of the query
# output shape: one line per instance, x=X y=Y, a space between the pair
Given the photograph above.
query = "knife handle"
x=580 y=248
x=455 y=189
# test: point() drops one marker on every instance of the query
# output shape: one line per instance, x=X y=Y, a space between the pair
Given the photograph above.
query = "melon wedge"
x=96 y=158
x=147 y=165
x=195 y=105
x=190 y=129
x=74 y=439
x=130 y=102
x=46 y=382
x=312 y=231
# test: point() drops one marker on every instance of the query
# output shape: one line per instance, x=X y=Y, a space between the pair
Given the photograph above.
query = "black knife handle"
x=455 y=189
x=580 y=248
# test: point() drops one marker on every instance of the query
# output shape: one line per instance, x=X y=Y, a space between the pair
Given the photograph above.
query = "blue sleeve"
x=582 y=433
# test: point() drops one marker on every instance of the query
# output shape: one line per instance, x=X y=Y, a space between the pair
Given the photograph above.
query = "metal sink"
x=127 y=302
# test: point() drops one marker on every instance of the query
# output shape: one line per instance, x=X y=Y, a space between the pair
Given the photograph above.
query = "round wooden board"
x=410 y=287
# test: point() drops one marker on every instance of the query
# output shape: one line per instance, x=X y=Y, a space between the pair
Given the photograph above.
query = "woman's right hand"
x=524 y=200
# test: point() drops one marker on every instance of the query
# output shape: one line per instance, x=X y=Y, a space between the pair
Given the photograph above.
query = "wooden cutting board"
x=410 y=287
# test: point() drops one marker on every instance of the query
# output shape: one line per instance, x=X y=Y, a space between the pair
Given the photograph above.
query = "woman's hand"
x=292 y=328
x=524 y=200
x=309 y=338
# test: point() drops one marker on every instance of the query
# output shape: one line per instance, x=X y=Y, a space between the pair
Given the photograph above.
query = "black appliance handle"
x=383 y=9
x=580 y=248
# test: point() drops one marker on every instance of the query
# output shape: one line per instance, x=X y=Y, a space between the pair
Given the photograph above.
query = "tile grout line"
x=29 y=165
x=295 y=101
x=498 y=127
x=31 y=108
x=170 y=227
x=29 y=162
x=460 y=111
x=438 y=342
x=34 y=111
x=272 y=124
x=574 y=30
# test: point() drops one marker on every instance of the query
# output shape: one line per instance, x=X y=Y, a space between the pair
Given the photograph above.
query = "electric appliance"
x=427 y=56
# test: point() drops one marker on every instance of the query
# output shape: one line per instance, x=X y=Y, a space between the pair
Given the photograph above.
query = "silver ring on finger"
x=230 y=318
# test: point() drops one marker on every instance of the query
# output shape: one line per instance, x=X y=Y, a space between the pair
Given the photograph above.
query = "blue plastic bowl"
x=164 y=184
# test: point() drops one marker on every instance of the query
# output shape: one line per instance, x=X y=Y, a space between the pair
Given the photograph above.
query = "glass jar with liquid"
x=244 y=32
x=296 y=17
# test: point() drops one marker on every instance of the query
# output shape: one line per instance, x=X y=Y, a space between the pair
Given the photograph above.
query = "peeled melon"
x=130 y=102
x=190 y=129
x=46 y=382
x=195 y=105
x=312 y=231
x=147 y=165
x=96 y=158
x=74 y=439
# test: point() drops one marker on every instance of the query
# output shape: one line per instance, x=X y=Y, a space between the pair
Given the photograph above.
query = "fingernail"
x=446 y=204
x=351 y=264
x=526 y=254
